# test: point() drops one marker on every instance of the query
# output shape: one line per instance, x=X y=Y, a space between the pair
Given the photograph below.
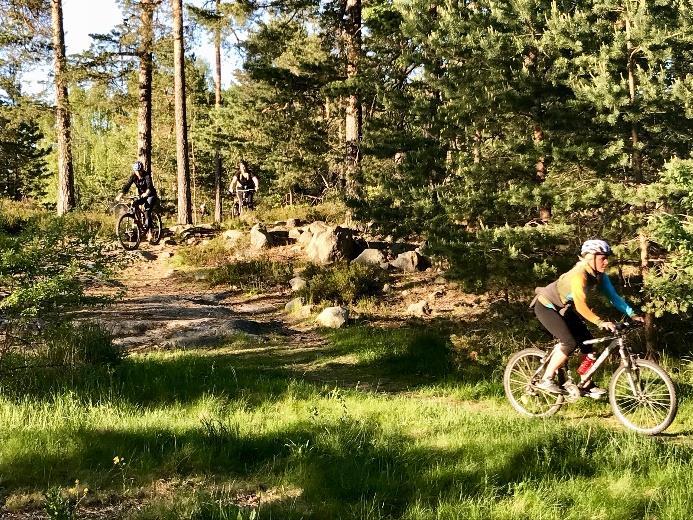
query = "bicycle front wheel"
x=519 y=379
x=128 y=232
x=643 y=399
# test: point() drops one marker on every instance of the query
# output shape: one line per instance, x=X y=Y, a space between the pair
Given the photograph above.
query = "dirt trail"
x=161 y=309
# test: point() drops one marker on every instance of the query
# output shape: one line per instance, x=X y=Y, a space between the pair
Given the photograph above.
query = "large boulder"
x=410 y=262
x=318 y=227
x=305 y=238
x=334 y=244
x=333 y=317
x=420 y=308
x=294 y=305
x=370 y=257
x=295 y=233
x=297 y=283
x=259 y=237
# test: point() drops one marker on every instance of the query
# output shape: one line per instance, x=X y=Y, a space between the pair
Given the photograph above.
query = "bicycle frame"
x=616 y=342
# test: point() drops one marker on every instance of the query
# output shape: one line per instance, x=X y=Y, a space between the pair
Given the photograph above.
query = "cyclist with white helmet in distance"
x=146 y=191
x=562 y=305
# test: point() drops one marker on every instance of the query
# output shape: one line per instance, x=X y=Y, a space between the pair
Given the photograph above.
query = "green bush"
x=252 y=274
x=342 y=283
x=213 y=253
x=80 y=344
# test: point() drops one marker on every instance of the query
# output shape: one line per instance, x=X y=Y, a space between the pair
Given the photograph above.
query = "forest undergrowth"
x=391 y=417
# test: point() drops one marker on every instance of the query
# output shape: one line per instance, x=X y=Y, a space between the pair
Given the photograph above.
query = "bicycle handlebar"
x=621 y=327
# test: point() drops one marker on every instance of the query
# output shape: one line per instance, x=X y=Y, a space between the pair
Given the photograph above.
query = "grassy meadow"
x=370 y=423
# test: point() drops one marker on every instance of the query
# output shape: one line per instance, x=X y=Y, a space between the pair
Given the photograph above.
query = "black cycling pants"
x=147 y=205
x=569 y=329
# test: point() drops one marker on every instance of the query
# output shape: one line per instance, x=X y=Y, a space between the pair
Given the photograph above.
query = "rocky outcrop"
x=420 y=309
x=370 y=257
x=410 y=262
x=259 y=238
x=333 y=317
x=297 y=283
x=334 y=244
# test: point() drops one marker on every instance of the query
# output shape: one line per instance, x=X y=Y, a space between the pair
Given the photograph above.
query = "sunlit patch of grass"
x=246 y=431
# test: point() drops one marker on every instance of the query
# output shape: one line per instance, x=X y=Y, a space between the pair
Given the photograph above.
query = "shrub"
x=80 y=344
x=214 y=253
x=342 y=283
x=252 y=274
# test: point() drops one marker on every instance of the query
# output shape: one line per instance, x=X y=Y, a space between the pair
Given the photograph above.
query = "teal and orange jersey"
x=571 y=287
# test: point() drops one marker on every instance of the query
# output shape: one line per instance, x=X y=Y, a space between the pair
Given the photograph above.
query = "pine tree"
x=66 y=181
x=182 y=159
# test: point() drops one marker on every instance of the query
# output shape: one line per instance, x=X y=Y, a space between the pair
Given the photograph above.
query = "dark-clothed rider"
x=244 y=183
x=146 y=191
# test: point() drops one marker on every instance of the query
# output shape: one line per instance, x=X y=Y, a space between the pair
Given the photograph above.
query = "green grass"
x=377 y=423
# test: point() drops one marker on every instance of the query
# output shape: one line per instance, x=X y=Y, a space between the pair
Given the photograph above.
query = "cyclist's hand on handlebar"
x=639 y=319
x=609 y=326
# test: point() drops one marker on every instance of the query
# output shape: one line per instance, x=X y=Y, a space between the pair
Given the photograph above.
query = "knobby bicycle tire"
x=517 y=379
x=157 y=228
x=654 y=409
x=128 y=232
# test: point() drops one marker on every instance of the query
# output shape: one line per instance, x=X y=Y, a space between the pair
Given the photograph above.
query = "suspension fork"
x=631 y=367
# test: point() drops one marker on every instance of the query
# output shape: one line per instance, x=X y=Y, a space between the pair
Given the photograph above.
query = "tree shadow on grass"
x=337 y=464
x=391 y=360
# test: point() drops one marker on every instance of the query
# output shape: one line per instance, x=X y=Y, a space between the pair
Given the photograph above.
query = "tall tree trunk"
x=354 y=112
x=650 y=347
x=182 y=161
x=66 y=181
x=540 y=172
x=144 y=116
x=636 y=157
x=217 y=104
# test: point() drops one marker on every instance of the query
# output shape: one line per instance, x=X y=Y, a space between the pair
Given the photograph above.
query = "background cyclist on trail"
x=147 y=196
x=244 y=180
x=562 y=305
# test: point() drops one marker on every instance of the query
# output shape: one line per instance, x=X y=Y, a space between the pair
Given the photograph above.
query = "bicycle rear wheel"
x=518 y=382
x=157 y=228
x=643 y=399
x=128 y=232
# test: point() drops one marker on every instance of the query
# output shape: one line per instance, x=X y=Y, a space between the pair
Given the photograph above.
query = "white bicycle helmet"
x=597 y=247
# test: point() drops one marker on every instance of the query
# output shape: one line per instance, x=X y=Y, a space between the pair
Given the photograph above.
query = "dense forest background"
x=503 y=132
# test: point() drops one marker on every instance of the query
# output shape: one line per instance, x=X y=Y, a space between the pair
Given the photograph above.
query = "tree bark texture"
x=182 y=157
x=144 y=116
x=354 y=111
x=636 y=157
x=217 y=104
x=540 y=172
x=650 y=346
x=66 y=181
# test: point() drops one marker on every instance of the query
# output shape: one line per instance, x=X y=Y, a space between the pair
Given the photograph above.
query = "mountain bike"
x=243 y=202
x=130 y=227
x=641 y=394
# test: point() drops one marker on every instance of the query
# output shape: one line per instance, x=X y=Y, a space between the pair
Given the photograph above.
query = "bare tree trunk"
x=144 y=116
x=66 y=181
x=182 y=161
x=540 y=173
x=650 y=347
x=217 y=104
x=636 y=157
x=354 y=111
